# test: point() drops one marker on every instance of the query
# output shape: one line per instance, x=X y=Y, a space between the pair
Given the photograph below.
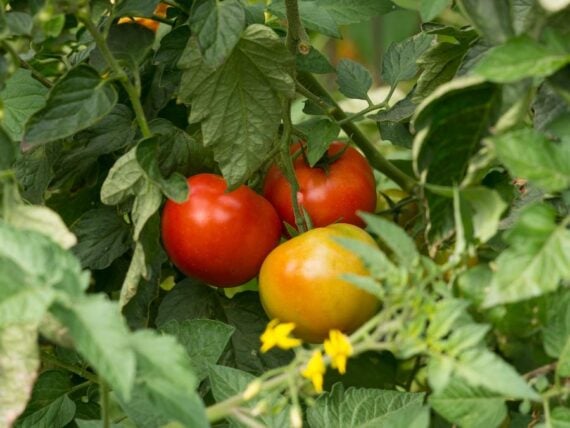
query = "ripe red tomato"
x=300 y=282
x=219 y=237
x=329 y=194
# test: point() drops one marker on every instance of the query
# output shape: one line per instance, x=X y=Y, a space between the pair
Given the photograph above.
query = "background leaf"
x=77 y=101
x=399 y=62
x=536 y=260
x=520 y=58
x=529 y=154
x=218 y=27
x=353 y=79
x=469 y=407
x=22 y=97
x=491 y=19
x=361 y=407
x=204 y=340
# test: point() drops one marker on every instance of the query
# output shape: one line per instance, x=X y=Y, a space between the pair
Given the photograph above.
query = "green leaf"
x=563 y=369
x=112 y=133
x=146 y=261
x=167 y=380
x=7 y=150
x=346 y=12
x=42 y=220
x=560 y=417
x=135 y=8
x=227 y=382
x=204 y=340
x=482 y=368
x=485 y=209
x=218 y=27
x=445 y=315
x=22 y=97
x=41 y=262
x=34 y=171
x=395 y=238
x=468 y=406
x=19 y=363
x=192 y=300
x=19 y=23
x=537 y=259
x=491 y=19
x=320 y=134
x=430 y=9
x=325 y=16
x=239 y=105
x=129 y=44
x=101 y=336
x=556 y=328
x=397 y=133
x=314 y=62
x=518 y=59
x=354 y=80
x=122 y=180
x=450 y=125
x=439 y=64
x=363 y=407
x=77 y=101
x=529 y=154
x=54 y=411
x=102 y=236
x=399 y=62
x=175 y=187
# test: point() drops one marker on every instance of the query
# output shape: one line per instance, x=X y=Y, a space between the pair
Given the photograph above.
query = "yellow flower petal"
x=277 y=335
x=315 y=370
x=339 y=348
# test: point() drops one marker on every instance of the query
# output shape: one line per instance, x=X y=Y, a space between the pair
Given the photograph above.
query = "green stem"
x=73 y=369
x=80 y=386
x=312 y=89
x=289 y=168
x=361 y=113
x=35 y=73
x=297 y=39
x=132 y=91
x=105 y=414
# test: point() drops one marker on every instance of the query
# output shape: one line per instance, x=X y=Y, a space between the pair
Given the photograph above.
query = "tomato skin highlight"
x=300 y=282
x=219 y=237
x=329 y=195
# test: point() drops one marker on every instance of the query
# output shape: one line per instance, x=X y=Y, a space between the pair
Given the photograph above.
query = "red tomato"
x=329 y=195
x=219 y=237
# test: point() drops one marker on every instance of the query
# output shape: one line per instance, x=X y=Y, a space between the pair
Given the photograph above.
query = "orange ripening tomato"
x=300 y=282
x=217 y=236
x=151 y=24
x=332 y=193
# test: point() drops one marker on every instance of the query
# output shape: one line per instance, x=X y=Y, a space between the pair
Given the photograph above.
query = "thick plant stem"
x=313 y=90
x=297 y=38
x=132 y=90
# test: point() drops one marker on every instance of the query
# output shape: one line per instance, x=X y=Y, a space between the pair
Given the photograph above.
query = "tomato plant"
x=332 y=191
x=218 y=236
x=300 y=282
x=455 y=312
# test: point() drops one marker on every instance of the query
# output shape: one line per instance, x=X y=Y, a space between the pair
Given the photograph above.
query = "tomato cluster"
x=227 y=238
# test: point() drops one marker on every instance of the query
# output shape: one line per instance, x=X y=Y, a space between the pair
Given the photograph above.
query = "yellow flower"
x=277 y=334
x=315 y=370
x=338 y=347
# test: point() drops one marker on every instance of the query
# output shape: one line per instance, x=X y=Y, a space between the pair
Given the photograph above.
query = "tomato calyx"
x=325 y=161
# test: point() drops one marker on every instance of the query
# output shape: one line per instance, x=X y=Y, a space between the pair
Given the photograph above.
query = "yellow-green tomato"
x=300 y=282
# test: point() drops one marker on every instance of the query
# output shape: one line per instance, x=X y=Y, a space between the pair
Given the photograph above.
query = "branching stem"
x=309 y=87
x=132 y=91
